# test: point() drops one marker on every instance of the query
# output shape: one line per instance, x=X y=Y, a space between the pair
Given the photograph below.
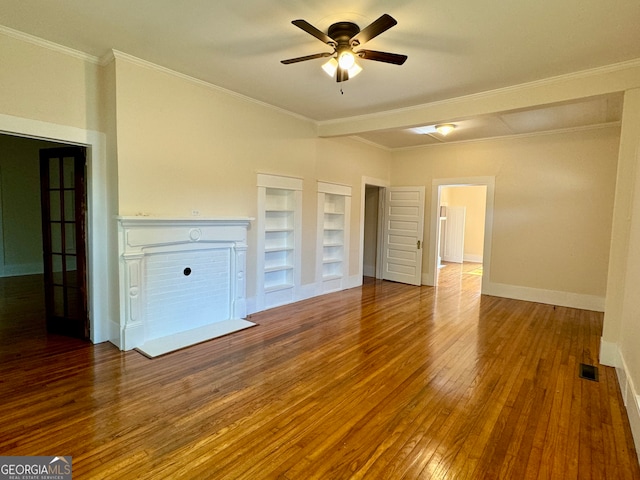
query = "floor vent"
x=589 y=372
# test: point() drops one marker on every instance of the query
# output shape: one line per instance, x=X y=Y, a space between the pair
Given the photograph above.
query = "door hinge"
x=419 y=244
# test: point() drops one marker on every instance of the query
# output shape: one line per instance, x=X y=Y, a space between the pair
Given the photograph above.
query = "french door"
x=64 y=205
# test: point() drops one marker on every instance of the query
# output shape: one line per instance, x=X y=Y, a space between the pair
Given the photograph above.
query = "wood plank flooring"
x=387 y=381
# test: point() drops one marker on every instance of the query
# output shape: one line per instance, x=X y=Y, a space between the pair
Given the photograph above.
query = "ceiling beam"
x=588 y=83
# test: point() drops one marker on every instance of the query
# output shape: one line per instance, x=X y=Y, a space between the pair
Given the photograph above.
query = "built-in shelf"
x=279 y=247
x=334 y=205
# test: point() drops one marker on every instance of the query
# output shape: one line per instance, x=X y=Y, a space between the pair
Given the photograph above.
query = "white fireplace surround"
x=179 y=275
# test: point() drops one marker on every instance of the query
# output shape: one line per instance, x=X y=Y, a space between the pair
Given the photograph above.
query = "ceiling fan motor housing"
x=342 y=32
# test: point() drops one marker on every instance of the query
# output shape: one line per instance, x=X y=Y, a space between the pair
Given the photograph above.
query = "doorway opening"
x=460 y=248
x=22 y=242
x=460 y=232
x=101 y=207
x=373 y=237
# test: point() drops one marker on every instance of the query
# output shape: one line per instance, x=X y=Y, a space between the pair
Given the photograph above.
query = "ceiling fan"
x=344 y=37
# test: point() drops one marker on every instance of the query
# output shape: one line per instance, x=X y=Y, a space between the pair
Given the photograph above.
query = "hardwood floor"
x=381 y=382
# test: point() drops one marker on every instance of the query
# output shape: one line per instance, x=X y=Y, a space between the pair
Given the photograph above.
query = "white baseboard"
x=609 y=355
x=630 y=396
x=355 y=281
x=472 y=258
x=307 y=291
x=114 y=334
x=539 y=295
x=23 y=269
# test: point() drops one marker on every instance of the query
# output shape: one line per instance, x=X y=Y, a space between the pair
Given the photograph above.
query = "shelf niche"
x=279 y=240
x=334 y=207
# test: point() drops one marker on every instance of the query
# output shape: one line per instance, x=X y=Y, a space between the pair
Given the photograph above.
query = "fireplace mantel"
x=179 y=275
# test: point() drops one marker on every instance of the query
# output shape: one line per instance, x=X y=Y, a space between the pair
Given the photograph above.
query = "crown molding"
x=366 y=141
x=25 y=37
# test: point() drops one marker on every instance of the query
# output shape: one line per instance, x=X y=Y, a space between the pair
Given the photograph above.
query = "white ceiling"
x=455 y=48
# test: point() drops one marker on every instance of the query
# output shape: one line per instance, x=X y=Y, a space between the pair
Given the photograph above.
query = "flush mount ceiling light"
x=445 y=128
x=425 y=130
x=343 y=37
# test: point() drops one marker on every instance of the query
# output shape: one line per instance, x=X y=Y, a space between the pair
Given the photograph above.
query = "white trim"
x=611 y=355
x=267 y=297
x=550 y=297
x=353 y=281
x=279 y=181
x=370 y=143
x=472 y=258
x=40 y=42
x=334 y=188
x=99 y=279
x=305 y=292
x=335 y=282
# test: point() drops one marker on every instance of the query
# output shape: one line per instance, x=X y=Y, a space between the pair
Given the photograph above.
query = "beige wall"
x=43 y=84
x=183 y=146
x=553 y=203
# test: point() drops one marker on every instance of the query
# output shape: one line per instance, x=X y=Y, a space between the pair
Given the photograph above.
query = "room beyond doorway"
x=101 y=203
x=460 y=234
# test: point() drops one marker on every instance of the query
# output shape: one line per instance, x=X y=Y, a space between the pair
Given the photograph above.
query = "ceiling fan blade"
x=386 y=57
x=307 y=57
x=342 y=74
x=311 y=30
x=382 y=24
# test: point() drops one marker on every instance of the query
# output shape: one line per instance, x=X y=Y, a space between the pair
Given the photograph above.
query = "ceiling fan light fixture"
x=445 y=129
x=331 y=67
x=346 y=60
x=355 y=70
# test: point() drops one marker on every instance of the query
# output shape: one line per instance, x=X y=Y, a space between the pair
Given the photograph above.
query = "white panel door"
x=403 y=227
x=454 y=235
